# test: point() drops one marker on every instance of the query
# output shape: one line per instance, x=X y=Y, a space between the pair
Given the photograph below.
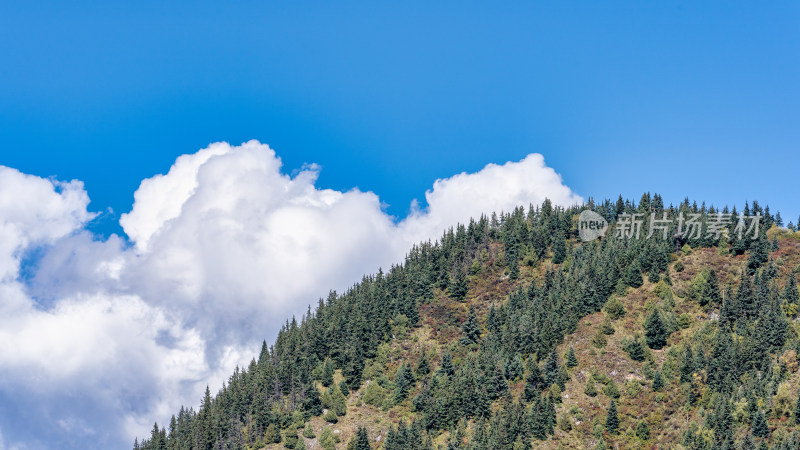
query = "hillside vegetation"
x=510 y=333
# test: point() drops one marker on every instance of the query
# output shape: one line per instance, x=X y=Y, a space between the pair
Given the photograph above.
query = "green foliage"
x=643 y=430
x=458 y=285
x=612 y=420
x=655 y=331
x=635 y=348
x=374 y=395
x=658 y=381
x=590 y=389
x=633 y=274
x=360 y=441
x=331 y=416
x=571 y=359
x=327 y=439
x=611 y=390
x=403 y=380
x=606 y=327
x=760 y=428
x=471 y=329
x=599 y=339
x=290 y=439
x=559 y=249
x=308 y=432
x=614 y=308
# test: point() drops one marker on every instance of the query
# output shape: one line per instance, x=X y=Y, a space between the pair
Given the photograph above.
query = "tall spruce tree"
x=612 y=420
x=470 y=329
x=655 y=331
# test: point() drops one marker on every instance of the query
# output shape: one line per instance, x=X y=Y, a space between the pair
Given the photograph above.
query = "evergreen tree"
x=633 y=275
x=601 y=444
x=458 y=285
x=760 y=428
x=423 y=366
x=658 y=381
x=470 y=328
x=447 y=365
x=711 y=294
x=552 y=370
x=797 y=411
x=655 y=332
x=612 y=420
x=313 y=404
x=327 y=373
x=572 y=360
x=559 y=249
x=361 y=440
x=403 y=380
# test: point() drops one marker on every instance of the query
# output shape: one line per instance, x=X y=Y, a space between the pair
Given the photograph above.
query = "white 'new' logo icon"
x=591 y=225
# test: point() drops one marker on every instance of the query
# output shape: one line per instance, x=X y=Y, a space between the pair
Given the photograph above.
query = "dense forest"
x=511 y=332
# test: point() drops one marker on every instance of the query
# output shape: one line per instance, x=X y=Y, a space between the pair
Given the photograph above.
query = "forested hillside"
x=511 y=332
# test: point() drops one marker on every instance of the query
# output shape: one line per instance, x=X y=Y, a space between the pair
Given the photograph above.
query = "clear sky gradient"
x=694 y=99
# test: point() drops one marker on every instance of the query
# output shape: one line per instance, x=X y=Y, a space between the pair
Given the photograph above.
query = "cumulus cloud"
x=105 y=336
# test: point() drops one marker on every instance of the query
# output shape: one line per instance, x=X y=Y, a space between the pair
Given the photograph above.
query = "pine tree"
x=612 y=420
x=470 y=328
x=711 y=294
x=447 y=365
x=423 y=366
x=403 y=380
x=633 y=275
x=572 y=360
x=797 y=411
x=601 y=444
x=313 y=404
x=552 y=370
x=655 y=332
x=658 y=381
x=559 y=248
x=458 y=285
x=361 y=440
x=327 y=373
x=760 y=428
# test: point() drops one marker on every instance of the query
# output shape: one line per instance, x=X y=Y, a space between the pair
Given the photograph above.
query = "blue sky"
x=694 y=99
x=686 y=98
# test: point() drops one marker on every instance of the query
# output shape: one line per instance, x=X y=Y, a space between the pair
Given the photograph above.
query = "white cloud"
x=226 y=247
x=494 y=188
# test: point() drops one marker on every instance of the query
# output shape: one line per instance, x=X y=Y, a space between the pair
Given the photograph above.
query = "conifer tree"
x=572 y=360
x=797 y=411
x=552 y=370
x=403 y=380
x=470 y=328
x=633 y=275
x=655 y=332
x=458 y=285
x=423 y=366
x=447 y=364
x=361 y=440
x=760 y=428
x=658 y=381
x=612 y=420
x=711 y=294
x=559 y=248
